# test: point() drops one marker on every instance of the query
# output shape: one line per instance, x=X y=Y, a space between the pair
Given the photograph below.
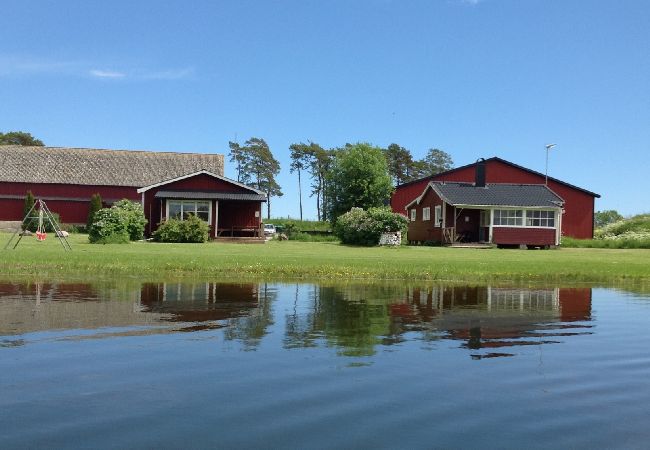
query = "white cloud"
x=16 y=66
x=107 y=73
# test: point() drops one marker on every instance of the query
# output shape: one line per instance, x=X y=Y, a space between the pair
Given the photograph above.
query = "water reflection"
x=356 y=320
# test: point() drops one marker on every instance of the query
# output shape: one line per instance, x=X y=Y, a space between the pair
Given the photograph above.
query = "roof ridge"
x=49 y=147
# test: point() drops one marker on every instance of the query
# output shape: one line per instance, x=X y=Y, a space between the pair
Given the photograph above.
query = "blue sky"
x=476 y=78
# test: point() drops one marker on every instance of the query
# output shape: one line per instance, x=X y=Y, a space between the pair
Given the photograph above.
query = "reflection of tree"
x=352 y=318
x=251 y=327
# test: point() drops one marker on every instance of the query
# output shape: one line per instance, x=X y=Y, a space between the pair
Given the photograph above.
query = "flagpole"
x=548 y=147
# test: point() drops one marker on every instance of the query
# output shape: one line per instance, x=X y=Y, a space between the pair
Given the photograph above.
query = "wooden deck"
x=470 y=245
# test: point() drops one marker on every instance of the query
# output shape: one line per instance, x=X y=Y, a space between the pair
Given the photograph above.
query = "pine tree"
x=95 y=205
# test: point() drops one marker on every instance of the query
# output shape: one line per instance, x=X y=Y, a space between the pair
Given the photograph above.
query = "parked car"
x=269 y=229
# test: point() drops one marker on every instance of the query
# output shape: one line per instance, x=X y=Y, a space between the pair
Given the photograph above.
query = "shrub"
x=133 y=215
x=192 y=229
x=95 y=205
x=109 y=227
x=359 y=227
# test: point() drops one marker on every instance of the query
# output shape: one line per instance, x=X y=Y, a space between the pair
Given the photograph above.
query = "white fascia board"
x=419 y=198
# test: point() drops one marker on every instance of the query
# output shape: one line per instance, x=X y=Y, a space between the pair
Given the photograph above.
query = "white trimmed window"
x=413 y=215
x=426 y=213
x=437 y=211
x=540 y=219
x=181 y=209
x=509 y=217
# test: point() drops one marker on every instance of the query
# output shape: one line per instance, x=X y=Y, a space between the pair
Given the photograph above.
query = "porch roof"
x=501 y=194
x=199 y=195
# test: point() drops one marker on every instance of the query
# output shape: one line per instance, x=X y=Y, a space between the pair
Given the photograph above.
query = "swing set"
x=41 y=213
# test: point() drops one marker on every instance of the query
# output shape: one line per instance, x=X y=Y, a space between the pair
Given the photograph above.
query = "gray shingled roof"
x=532 y=195
x=209 y=195
x=85 y=166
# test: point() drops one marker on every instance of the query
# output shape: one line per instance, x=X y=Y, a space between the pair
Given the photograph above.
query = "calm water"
x=322 y=366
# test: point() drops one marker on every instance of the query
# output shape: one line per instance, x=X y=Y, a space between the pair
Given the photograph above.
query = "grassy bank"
x=276 y=260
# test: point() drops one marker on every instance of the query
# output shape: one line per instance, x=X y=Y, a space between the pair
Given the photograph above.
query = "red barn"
x=166 y=184
x=578 y=211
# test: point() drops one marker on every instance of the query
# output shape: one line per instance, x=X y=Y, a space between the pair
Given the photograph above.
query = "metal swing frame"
x=28 y=219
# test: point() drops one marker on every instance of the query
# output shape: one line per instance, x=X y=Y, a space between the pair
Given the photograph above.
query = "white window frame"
x=437 y=218
x=511 y=214
x=525 y=219
x=544 y=216
x=183 y=202
x=413 y=215
x=426 y=213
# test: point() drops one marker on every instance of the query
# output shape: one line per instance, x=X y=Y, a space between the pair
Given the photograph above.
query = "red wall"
x=520 y=235
x=577 y=221
x=71 y=202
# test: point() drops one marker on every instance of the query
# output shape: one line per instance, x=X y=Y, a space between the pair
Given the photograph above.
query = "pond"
x=275 y=365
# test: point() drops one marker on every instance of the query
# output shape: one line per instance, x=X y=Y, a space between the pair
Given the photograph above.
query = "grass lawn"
x=275 y=260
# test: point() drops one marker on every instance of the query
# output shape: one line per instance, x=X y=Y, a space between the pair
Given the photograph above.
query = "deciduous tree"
x=358 y=178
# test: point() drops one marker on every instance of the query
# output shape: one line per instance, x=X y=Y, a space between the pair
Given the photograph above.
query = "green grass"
x=302 y=225
x=277 y=260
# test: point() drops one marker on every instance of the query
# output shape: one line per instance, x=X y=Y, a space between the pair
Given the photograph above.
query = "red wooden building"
x=167 y=185
x=501 y=214
x=577 y=218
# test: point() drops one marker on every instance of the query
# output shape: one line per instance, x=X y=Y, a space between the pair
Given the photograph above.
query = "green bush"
x=359 y=227
x=192 y=229
x=109 y=227
x=133 y=215
x=121 y=223
x=95 y=205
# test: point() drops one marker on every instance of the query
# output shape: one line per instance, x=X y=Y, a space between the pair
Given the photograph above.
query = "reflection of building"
x=59 y=306
x=487 y=317
x=198 y=302
x=51 y=306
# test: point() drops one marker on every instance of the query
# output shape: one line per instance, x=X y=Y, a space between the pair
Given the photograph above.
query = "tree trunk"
x=268 y=205
x=300 y=194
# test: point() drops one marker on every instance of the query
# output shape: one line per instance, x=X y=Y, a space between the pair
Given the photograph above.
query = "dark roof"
x=210 y=195
x=522 y=195
x=86 y=166
x=496 y=158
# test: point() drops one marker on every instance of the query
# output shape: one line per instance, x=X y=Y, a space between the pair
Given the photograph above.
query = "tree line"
x=339 y=178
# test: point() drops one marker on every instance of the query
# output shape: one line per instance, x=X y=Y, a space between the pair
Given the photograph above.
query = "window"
x=438 y=215
x=508 y=217
x=181 y=209
x=413 y=215
x=426 y=213
x=540 y=219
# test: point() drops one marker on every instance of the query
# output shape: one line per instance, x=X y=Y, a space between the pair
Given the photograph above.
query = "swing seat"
x=40 y=236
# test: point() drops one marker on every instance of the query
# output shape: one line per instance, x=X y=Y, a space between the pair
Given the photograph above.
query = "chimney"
x=480 y=173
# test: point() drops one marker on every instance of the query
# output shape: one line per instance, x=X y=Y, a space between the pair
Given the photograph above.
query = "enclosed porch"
x=230 y=216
